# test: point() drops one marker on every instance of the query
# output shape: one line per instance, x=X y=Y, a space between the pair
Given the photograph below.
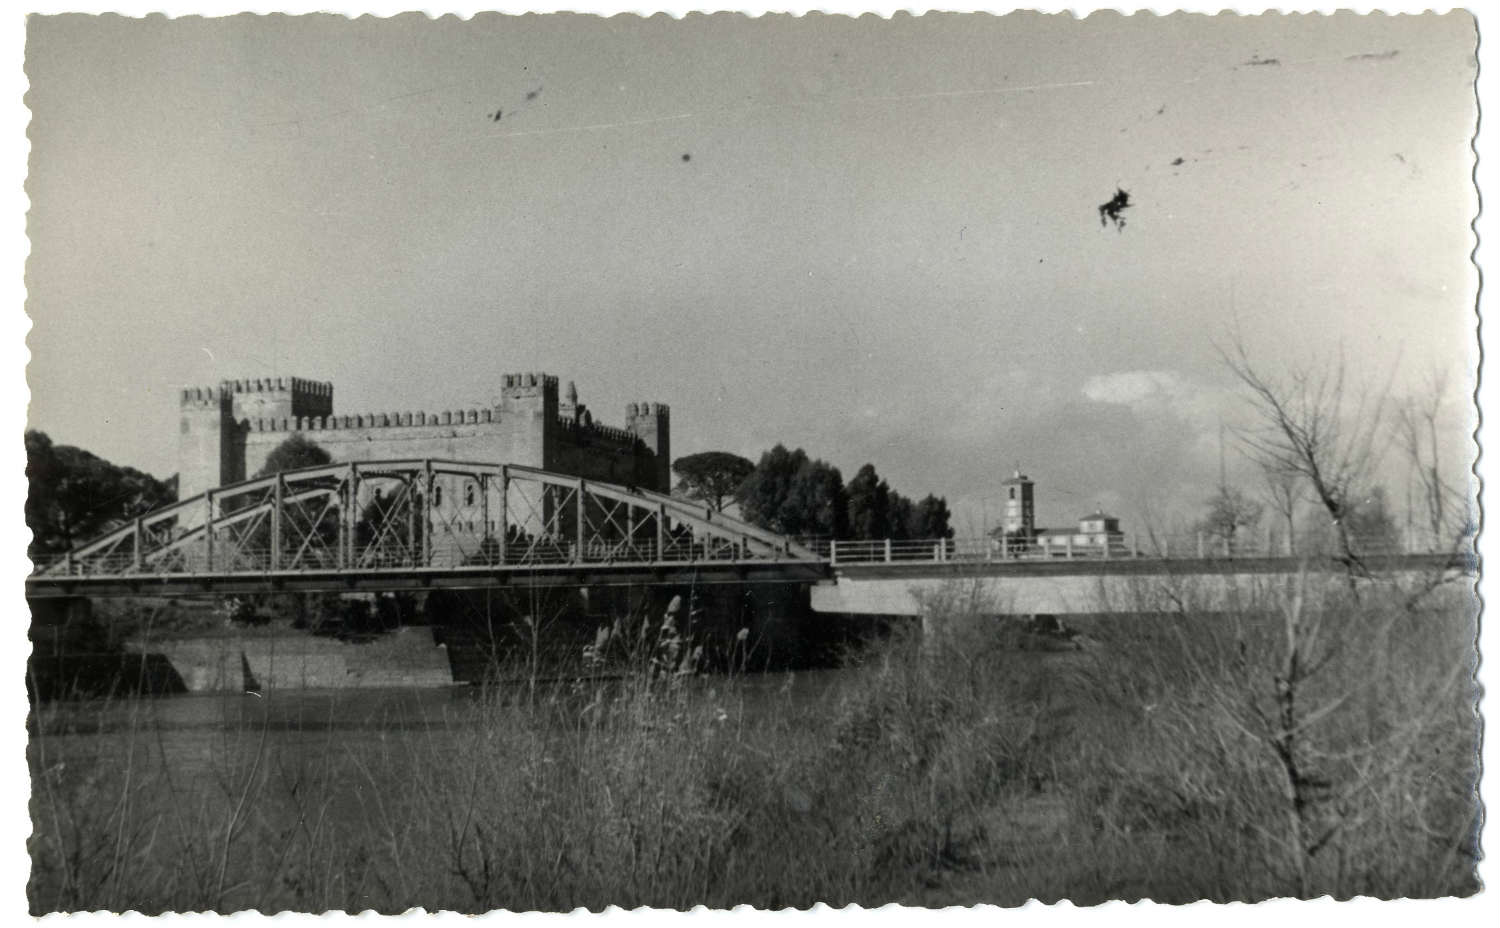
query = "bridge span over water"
x=1119 y=585
x=414 y=525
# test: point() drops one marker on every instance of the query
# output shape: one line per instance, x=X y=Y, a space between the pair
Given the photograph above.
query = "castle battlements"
x=647 y=409
x=279 y=385
x=201 y=396
x=374 y=420
x=518 y=381
x=297 y=386
x=606 y=432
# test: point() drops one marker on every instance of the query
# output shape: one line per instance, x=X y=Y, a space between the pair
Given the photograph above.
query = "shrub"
x=954 y=766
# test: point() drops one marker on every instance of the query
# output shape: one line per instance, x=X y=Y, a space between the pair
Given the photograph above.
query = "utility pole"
x=1223 y=471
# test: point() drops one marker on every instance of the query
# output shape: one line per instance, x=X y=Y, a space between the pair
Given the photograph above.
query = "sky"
x=874 y=239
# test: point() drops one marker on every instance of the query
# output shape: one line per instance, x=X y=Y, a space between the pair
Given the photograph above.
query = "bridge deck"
x=434 y=524
x=424 y=578
x=1139 y=565
x=482 y=576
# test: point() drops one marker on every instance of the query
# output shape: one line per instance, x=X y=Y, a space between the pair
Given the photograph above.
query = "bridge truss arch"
x=373 y=522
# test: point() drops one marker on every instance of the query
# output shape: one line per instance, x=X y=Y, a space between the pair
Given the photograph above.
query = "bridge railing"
x=1131 y=546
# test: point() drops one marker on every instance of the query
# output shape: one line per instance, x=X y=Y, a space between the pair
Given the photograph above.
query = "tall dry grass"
x=979 y=762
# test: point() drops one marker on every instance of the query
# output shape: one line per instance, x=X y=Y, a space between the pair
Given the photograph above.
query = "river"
x=200 y=739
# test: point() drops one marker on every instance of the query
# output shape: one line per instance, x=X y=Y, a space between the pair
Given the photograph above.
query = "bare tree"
x=1416 y=423
x=1231 y=514
x=1157 y=530
x=1284 y=490
x=1329 y=720
x=1312 y=425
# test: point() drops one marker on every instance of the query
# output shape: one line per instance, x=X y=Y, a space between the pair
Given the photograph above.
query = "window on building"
x=437 y=495
x=469 y=495
x=1012 y=492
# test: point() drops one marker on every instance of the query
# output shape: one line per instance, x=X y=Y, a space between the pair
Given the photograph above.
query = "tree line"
x=791 y=493
x=74 y=495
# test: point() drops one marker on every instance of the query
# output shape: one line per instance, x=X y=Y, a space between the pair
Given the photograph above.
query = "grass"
x=1173 y=757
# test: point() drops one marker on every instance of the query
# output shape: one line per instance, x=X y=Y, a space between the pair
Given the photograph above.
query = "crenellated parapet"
x=278 y=397
x=378 y=420
x=532 y=380
x=633 y=410
x=201 y=397
x=298 y=385
x=577 y=431
x=295 y=389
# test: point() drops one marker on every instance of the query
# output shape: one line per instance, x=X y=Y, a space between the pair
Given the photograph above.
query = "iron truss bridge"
x=430 y=524
x=421 y=524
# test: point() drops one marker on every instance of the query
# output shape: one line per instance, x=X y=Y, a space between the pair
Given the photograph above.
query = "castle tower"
x=205 y=441
x=210 y=447
x=652 y=424
x=569 y=408
x=528 y=419
x=1020 y=515
x=278 y=398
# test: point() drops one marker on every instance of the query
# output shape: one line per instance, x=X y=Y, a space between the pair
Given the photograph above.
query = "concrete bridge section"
x=1100 y=586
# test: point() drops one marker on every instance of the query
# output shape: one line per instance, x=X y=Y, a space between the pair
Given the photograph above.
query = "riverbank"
x=144 y=647
x=154 y=645
x=961 y=768
x=255 y=660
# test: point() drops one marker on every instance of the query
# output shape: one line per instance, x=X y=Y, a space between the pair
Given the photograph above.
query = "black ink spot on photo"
x=1112 y=211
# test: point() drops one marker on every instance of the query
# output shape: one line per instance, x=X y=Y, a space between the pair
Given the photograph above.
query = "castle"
x=227 y=431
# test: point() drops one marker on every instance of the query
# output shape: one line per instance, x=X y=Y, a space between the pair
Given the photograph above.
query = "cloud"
x=1154 y=394
x=1140 y=390
x=1167 y=400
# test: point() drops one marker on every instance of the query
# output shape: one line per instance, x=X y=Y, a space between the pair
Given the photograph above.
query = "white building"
x=1096 y=533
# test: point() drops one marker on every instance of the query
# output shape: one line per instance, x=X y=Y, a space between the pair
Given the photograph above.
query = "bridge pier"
x=72 y=655
x=59 y=612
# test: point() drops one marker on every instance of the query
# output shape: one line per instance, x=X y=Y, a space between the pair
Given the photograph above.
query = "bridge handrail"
x=1181 y=546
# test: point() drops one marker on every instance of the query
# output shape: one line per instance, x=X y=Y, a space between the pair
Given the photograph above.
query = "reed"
x=1309 y=741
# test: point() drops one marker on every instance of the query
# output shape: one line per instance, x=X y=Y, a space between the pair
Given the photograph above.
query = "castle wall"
x=591 y=452
x=228 y=432
x=604 y=453
x=485 y=439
